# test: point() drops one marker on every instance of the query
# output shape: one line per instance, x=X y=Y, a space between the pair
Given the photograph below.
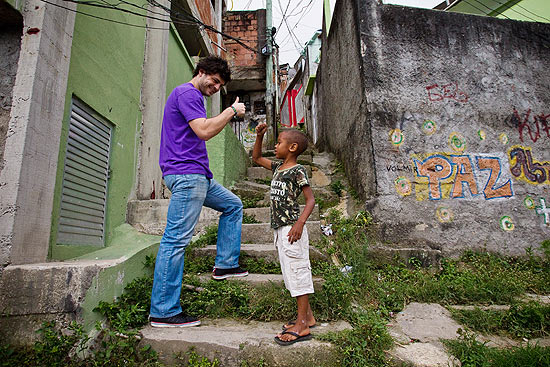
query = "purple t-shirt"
x=181 y=150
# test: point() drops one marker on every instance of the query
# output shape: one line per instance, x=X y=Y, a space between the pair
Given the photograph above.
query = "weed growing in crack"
x=249 y=219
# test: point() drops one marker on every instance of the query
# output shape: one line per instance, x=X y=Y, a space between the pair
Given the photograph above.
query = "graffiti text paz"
x=463 y=172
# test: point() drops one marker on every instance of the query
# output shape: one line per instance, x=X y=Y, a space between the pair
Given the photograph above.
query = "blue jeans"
x=189 y=194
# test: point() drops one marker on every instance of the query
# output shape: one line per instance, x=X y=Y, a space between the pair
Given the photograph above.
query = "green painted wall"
x=527 y=10
x=129 y=245
x=236 y=159
x=180 y=64
x=106 y=74
x=17 y=4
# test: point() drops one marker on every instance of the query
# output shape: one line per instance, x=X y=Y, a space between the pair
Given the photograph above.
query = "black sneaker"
x=220 y=274
x=180 y=320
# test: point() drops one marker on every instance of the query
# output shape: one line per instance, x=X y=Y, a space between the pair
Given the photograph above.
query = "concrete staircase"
x=233 y=341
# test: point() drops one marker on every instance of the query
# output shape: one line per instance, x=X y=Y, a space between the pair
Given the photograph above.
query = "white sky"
x=304 y=17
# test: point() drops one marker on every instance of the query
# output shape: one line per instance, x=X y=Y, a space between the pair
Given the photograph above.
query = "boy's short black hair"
x=214 y=65
x=298 y=137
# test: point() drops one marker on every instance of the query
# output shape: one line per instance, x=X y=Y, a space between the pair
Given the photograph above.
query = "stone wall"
x=447 y=137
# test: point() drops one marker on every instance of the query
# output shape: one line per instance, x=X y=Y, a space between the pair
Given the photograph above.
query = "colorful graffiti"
x=457 y=142
x=447 y=91
x=530 y=128
x=503 y=138
x=507 y=224
x=444 y=215
x=429 y=127
x=544 y=211
x=525 y=168
x=396 y=137
x=403 y=186
x=482 y=135
x=441 y=176
x=529 y=202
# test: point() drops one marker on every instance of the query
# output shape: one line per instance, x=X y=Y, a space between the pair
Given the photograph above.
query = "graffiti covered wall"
x=458 y=107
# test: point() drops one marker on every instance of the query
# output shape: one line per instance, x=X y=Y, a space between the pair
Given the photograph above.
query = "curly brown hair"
x=214 y=65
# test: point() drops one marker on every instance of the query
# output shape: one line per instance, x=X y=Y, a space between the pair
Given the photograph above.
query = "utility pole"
x=269 y=66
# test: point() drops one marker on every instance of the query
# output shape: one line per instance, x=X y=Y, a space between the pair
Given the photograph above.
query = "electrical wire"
x=206 y=26
x=101 y=18
x=303 y=14
x=284 y=14
x=512 y=8
x=174 y=19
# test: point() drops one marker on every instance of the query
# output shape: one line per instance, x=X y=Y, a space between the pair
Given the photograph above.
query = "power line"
x=518 y=12
x=177 y=20
x=284 y=14
x=303 y=14
x=206 y=26
x=542 y=36
x=101 y=18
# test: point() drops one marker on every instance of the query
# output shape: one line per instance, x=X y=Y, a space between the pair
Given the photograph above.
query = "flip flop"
x=292 y=323
x=299 y=338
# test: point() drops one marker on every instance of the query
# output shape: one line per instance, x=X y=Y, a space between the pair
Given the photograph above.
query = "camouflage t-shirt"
x=286 y=186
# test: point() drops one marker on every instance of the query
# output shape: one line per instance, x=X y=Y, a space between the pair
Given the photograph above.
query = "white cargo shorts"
x=294 y=259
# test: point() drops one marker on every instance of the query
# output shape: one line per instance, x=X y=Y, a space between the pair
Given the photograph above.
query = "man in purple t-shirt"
x=184 y=164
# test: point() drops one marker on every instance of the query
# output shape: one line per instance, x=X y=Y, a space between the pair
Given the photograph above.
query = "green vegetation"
x=522 y=320
x=252 y=202
x=366 y=296
x=337 y=187
x=207 y=238
x=249 y=219
x=263 y=181
x=473 y=353
x=59 y=348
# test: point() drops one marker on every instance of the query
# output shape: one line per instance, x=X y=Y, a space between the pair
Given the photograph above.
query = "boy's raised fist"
x=261 y=129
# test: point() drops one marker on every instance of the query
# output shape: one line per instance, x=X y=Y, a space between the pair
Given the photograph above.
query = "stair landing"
x=232 y=341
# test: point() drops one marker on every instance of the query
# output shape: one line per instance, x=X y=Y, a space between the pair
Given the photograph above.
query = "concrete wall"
x=448 y=135
x=10 y=44
x=153 y=96
x=30 y=157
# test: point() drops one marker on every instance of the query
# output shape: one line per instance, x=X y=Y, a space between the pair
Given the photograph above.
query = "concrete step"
x=235 y=341
x=250 y=190
x=263 y=214
x=267 y=252
x=262 y=232
x=256 y=280
x=149 y=216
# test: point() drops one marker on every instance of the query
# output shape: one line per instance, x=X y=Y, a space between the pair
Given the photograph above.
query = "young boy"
x=290 y=235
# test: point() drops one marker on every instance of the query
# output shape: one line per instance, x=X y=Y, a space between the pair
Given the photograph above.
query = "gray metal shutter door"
x=85 y=176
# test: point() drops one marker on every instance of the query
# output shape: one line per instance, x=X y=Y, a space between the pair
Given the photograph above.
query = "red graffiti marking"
x=525 y=123
x=526 y=168
x=33 y=31
x=447 y=91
